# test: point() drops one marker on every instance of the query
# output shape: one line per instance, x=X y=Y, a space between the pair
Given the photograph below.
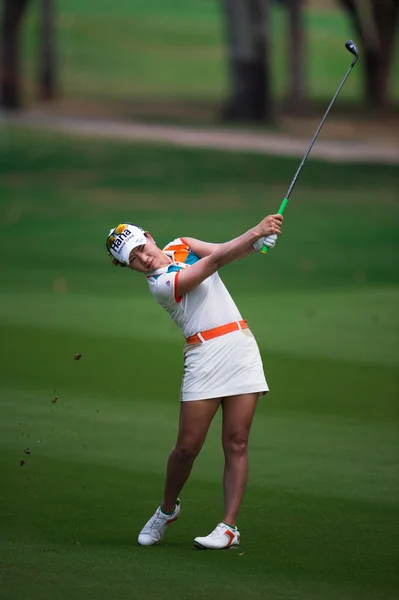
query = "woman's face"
x=148 y=257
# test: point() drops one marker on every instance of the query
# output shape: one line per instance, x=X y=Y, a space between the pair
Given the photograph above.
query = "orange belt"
x=209 y=334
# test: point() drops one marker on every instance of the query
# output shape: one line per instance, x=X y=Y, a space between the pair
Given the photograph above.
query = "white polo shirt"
x=208 y=305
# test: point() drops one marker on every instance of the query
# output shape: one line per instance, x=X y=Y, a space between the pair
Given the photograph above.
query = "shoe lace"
x=158 y=520
x=219 y=530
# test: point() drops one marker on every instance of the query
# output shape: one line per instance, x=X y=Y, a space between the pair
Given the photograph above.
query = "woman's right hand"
x=269 y=225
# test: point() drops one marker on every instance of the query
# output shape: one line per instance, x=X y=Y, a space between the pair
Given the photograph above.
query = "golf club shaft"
x=285 y=201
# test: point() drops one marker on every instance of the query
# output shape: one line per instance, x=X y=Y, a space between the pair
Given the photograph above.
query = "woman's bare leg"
x=238 y=413
x=195 y=419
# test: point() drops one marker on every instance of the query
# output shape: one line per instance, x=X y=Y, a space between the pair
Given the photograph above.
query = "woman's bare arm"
x=199 y=247
x=203 y=249
x=224 y=254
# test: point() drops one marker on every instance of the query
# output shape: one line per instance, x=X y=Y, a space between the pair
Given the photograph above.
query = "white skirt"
x=225 y=366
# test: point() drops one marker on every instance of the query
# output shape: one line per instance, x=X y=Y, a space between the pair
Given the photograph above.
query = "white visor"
x=122 y=239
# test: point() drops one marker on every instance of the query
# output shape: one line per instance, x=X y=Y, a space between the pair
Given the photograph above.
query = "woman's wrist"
x=257 y=233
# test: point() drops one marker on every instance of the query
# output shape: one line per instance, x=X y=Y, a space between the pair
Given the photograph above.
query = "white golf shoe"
x=224 y=537
x=154 y=530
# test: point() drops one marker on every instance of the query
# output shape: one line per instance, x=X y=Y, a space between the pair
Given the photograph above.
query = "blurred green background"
x=176 y=50
x=320 y=517
x=167 y=61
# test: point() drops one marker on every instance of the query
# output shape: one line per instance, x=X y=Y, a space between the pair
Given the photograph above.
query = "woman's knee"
x=186 y=450
x=236 y=443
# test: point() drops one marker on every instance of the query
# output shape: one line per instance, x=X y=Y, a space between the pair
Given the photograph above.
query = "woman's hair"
x=116 y=262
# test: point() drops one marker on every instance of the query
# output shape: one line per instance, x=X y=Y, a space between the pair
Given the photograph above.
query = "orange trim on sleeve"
x=177 y=298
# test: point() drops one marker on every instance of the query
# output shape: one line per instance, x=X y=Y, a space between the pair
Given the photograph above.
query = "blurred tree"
x=248 y=33
x=295 y=45
x=13 y=11
x=376 y=24
x=47 y=83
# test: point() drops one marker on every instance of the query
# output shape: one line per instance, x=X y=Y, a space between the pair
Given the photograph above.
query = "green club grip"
x=284 y=203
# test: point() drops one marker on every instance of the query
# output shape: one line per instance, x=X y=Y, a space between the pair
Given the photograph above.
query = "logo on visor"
x=168 y=283
x=118 y=238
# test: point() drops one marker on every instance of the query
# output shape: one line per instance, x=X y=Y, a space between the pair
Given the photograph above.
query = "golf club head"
x=351 y=46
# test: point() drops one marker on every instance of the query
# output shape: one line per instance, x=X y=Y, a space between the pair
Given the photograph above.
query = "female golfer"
x=222 y=364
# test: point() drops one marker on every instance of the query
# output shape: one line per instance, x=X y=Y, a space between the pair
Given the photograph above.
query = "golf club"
x=351 y=46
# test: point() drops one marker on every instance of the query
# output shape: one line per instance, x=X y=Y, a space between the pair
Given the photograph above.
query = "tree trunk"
x=379 y=59
x=47 y=76
x=376 y=29
x=248 y=25
x=296 y=34
x=13 y=11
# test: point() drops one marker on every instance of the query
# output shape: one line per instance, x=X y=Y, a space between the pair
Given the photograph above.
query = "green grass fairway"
x=320 y=517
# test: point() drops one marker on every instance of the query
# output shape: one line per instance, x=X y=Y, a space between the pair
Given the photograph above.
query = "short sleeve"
x=165 y=288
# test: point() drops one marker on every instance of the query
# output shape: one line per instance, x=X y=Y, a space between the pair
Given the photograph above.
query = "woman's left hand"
x=270 y=225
